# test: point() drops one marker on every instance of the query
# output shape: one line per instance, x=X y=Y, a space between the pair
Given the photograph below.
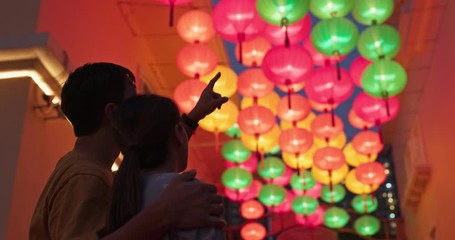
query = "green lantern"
x=236 y=178
x=235 y=151
x=379 y=42
x=234 y=131
x=334 y=36
x=334 y=196
x=272 y=167
x=384 y=78
x=336 y=217
x=370 y=12
x=367 y=225
x=364 y=204
x=272 y=195
x=282 y=12
x=304 y=205
x=303 y=182
x=331 y=8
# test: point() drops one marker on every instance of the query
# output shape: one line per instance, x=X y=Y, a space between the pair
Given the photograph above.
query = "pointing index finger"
x=213 y=80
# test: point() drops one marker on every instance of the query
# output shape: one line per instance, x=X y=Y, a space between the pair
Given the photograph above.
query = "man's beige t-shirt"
x=74 y=202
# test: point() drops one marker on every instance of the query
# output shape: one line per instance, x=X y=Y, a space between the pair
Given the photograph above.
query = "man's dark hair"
x=87 y=91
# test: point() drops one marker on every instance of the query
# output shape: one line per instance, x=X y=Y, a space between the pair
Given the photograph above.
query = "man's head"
x=89 y=89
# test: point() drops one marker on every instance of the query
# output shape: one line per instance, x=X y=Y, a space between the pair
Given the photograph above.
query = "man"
x=74 y=202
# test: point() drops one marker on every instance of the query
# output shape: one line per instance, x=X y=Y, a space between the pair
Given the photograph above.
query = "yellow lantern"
x=221 y=119
x=305 y=123
x=270 y=101
x=302 y=160
x=226 y=84
x=354 y=158
x=356 y=187
x=322 y=176
x=338 y=142
x=264 y=142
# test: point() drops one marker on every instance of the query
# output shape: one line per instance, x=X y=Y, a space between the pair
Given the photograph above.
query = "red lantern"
x=329 y=85
x=329 y=158
x=195 y=26
x=295 y=140
x=250 y=165
x=376 y=110
x=253 y=231
x=253 y=83
x=296 y=32
x=251 y=209
x=313 y=220
x=172 y=4
x=286 y=205
x=297 y=112
x=244 y=194
x=326 y=126
x=195 y=60
x=256 y=120
x=356 y=70
x=253 y=51
x=323 y=107
x=187 y=93
x=237 y=21
x=358 y=122
x=320 y=59
x=282 y=180
x=367 y=143
x=370 y=173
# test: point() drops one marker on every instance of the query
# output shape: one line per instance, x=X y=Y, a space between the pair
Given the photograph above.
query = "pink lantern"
x=195 y=26
x=187 y=93
x=282 y=180
x=286 y=205
x=256 y=120
x=237 y=21
x=195 y=60
x=253 y=83
x=250 y=164
x=326 y=126
x=367 y=143
x=297 y=112
x=358 y=122
x=356 y=70
x=376 y=110
x=296 y=32
x=314 y=192
x=172 y=4
x=370 y=173
x=313 y=220
x=295 y=140
x=244 y=194
x=253 y=51
x=320 y=59
x=329 y=158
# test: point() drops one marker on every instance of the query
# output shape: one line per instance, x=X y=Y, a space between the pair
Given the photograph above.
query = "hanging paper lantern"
x=236 y=178
x=364 y=204
x=298 y=111
x=272 y=195
x=371 y=173
x=335 y=36
x=384 y=79
x=296 y=32
x=196 y=26
x=367 y=225
x=358 y=122
x=235 y=151
x=275 y=11
x=253 y=83
x=320 y=59
x=304 y=205
x=250 y=164
x=379 y=42
x=195 y=60
x=323 y=107
x=237 y=21
x=282 y=180
x=253 y=231
x=221 y=119
x=336 y=195
x=286 y=205
x=172 y=4
x=234 y=131
x=251 y=209
x=326 y=126
x=329 y=85
x=376 y=110
x=329 y=158
x=272 y=167
x=331 y=8
x=371 y=12
x=335 y=217
x=367 y=143
x=323 y=177
x=304 y=181
x=313 y=220
x=336 y=142
x=270 y=101
x=301 y=160
x=357 y=68
x=187 y=93
x=253 y=51
x=226 y=85
x=354 y=158
x=296 y=140
x=356 y=187
x=287 y=65
x=265 y=142
x=293 y=88
x=245 y=194
x=305 y=123
x=256 y=120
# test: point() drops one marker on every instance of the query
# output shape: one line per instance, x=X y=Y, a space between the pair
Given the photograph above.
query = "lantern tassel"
x=298 y=165
x=330 y=181
x=338 y=70
x=171 y=13
x=241 y=38
x=289 y=99
x=378 y=125
x=286 y=36
x=385 y=95
x=365 y=205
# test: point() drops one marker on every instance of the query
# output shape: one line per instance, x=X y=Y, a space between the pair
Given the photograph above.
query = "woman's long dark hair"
x=142 y=125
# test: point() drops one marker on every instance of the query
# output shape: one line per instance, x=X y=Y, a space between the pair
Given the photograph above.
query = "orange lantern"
x=337 y=142
x=299 y=161
x=195 y=60
x=253 y=51
x=253 y=231
x=299 y=109
x=252 y=83
x=329 y=158
x=326 y=126
x=270 y=101
x=256 y=120
x=372 y=173
x=323 y=107
x=264 y=142
x=251 y=209
x=367 y=143
x=187 y=93
x=195 y=26
x=358 y=122
x=354 y=158
x=226 y=85
x=305 y=123
x=296 y=140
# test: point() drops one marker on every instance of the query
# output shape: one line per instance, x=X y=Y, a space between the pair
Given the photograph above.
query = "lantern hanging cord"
x=241 y=39
x=284 y=24
x=171 y=12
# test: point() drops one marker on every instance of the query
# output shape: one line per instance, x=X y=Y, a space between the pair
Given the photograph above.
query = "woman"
x=155 y=148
